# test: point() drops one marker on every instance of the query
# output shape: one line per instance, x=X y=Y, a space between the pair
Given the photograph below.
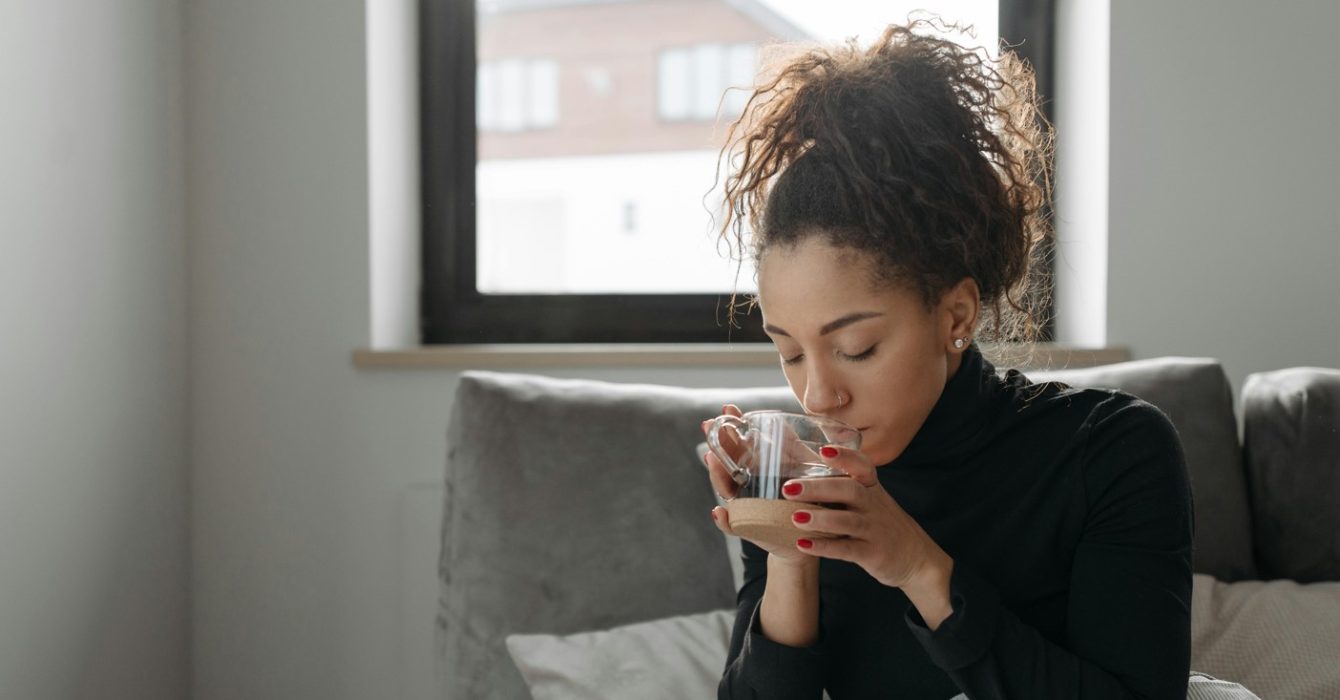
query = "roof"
x=767 y=18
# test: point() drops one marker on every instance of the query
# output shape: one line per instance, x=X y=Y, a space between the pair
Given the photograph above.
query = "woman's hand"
x=875 y=532
x=726 y=488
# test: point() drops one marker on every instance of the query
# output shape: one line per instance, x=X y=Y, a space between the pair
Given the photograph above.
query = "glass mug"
x=763 y=450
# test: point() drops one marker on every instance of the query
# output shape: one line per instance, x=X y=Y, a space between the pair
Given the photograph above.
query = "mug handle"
x=738 y=473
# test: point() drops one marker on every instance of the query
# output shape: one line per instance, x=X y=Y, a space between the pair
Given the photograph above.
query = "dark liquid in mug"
x=770 y=485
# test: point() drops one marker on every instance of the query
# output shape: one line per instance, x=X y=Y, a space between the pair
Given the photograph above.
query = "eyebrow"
x=831 y=325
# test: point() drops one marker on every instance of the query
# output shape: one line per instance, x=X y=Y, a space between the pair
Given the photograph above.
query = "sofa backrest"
x=1291 y=441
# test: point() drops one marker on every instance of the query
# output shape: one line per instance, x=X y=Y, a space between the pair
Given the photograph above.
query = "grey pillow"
x=1291 y=421
x=676 y=658
x=573 y=505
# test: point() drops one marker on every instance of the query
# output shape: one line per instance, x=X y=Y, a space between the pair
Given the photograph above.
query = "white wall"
x=303 y=466
x=1224 y=218
x=93 y=516
x=1082 y=185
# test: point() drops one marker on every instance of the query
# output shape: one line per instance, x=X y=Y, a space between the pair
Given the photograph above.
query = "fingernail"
x=828 y=451
x=801 y=517
x=792 y=489
x=804 y=543
x=714 y=514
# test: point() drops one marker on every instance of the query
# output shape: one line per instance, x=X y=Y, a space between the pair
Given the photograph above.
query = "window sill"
x=1045 y=355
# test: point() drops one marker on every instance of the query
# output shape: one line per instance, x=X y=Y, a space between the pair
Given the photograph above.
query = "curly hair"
x=932 y=158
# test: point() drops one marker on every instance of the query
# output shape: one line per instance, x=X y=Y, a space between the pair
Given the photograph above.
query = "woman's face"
x=878 y=346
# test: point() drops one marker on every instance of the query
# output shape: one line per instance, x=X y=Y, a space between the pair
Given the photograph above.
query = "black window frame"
x=453 y=311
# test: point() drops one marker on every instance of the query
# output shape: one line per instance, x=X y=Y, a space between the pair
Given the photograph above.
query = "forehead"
x=813 y=282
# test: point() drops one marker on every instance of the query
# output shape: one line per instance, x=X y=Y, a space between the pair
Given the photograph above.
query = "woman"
x=1001 y=539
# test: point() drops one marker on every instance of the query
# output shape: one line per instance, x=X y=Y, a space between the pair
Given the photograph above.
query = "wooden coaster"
x=768 y=521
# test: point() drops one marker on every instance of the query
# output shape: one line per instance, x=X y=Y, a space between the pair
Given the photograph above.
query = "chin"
x=874 y=449
x=877 y=450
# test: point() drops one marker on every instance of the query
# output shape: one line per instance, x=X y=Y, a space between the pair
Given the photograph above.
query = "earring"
x=959 y=343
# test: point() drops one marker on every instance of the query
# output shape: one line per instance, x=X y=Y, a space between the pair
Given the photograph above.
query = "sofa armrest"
x=1291 y=442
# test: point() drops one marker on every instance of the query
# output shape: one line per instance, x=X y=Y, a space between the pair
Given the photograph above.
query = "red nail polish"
x=828 y=451
x=801 y=517
x=804 y=543
x=792 y=489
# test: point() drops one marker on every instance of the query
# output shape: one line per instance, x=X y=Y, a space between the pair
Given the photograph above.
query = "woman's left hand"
x=876 y=533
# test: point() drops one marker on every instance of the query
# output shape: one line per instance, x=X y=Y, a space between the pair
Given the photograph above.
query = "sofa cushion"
x=1291 y=433
x=682 y=656
x=573 y=505
x=1278 y=638
x=1196 y=396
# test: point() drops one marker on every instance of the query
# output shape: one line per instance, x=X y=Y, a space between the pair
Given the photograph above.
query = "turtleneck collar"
x=969 y=400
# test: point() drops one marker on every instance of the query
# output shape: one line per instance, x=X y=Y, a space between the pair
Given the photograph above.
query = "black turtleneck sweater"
x=1068 y=515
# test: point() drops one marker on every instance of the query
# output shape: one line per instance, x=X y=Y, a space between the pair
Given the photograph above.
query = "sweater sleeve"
x=758 y=667
x=1129 y=612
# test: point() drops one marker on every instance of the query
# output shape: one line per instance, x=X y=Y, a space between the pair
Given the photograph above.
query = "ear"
x=959 y=308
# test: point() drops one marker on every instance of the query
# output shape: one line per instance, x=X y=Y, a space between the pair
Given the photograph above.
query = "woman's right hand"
x=726 y=487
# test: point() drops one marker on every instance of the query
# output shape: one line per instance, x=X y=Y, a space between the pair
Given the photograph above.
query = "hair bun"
x=932 y=157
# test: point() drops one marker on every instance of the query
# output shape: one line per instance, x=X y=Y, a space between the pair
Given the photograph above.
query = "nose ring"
x=841 y=400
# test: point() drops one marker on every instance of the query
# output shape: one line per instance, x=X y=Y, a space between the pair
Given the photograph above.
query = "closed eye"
x=862 y=356
x=793 y=360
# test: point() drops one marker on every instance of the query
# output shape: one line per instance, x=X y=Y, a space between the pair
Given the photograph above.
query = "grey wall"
x=1225 y=182
x=93 y=516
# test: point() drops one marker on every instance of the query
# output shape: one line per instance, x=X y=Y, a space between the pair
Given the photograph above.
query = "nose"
x=821 y=395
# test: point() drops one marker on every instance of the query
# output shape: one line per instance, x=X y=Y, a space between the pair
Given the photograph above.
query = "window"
x=570 y=149
x=517 y=94
x=692 y=82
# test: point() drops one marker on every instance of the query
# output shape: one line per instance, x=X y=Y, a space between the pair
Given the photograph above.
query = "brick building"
x=584 y=77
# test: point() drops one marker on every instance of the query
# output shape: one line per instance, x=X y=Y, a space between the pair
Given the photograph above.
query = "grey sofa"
x=549 y=528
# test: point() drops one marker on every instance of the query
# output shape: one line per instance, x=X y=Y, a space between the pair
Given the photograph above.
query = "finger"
x=824 y=490
x=845 y=548
x=721 y=479
x=730 y=440
x=833 y=522
x=731 y=409
x=721 y=517
x=851 y=461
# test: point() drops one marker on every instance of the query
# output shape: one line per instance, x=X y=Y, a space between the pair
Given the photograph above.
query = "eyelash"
x=851 y=358
x=863 y=355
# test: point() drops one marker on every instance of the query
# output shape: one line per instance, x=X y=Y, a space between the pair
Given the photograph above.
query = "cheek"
x=903 y=396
